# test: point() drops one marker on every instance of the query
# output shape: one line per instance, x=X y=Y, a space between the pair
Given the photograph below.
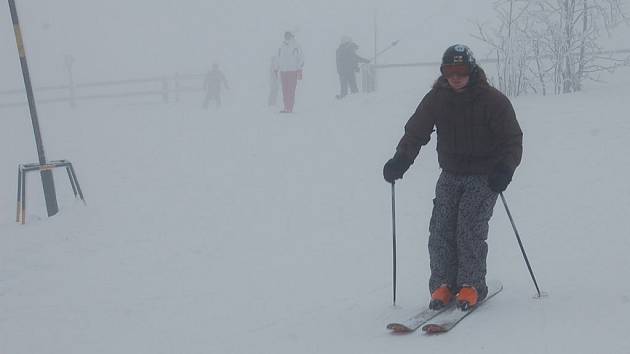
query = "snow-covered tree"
x=546 y=45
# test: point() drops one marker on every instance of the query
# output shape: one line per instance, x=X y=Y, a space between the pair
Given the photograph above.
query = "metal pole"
x=390 y=46
x=47 y=175
x=71 y=178
x=23 y=197
x=394 y=237
x=76 y=183
x=19 y=195
x=529 y=267
x=375 y=38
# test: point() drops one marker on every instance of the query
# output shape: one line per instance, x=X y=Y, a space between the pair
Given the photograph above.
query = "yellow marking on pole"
x=19 y=41
x=46 y=167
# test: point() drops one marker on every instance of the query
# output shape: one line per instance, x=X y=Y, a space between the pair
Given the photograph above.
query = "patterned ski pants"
x=458 y=230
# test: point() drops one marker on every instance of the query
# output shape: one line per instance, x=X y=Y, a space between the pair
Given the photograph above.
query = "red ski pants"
x=289 y=83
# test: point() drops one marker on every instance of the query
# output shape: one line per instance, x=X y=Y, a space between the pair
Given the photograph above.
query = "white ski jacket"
x=290 y=57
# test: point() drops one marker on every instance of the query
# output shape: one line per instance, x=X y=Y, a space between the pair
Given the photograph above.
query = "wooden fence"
x=167 y=88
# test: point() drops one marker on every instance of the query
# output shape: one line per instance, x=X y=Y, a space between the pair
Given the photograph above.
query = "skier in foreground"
x=479 y=145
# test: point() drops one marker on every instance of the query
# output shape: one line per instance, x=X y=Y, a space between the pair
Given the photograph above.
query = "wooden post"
x=177 y=87
x=165 y=90
x=69 y=60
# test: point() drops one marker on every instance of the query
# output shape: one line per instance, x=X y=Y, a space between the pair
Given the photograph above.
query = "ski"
x=413 y=323
x=446 y=320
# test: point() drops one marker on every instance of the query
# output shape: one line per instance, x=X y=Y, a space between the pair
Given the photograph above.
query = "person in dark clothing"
x=347 y=65
x=479 y=145
x=212 y=83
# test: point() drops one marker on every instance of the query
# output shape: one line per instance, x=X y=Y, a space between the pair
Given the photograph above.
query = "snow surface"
x=245 y=231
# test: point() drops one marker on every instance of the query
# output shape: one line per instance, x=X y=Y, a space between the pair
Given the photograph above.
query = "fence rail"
x=167 y=87
x=482 y=61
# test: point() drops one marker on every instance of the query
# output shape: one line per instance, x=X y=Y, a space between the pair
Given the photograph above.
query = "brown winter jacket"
x=476 y=129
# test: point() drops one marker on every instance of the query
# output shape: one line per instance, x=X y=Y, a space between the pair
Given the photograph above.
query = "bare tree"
x=544 y=44
x=507 y=43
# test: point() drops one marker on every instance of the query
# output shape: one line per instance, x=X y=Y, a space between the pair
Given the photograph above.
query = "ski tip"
x=495 y=284
x=433 y=329
x=398 y=328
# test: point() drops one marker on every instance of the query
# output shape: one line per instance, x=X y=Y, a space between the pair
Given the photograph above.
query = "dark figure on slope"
x=479 y=145
x=347 y=65
x=212 y=83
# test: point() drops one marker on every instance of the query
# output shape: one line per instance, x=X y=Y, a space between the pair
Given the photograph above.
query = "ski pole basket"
x=23 y=169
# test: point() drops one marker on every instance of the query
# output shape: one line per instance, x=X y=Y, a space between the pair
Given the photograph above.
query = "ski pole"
x=518 y=238
x=394 y=238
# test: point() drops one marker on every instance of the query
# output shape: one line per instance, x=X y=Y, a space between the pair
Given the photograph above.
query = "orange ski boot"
x=441 y=297
x=467 y=297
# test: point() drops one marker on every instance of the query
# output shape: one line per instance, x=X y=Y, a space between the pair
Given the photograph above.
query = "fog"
x=132 y=39
x=126 y=39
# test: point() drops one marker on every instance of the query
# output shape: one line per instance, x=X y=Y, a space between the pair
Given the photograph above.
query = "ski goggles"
x=450 y=71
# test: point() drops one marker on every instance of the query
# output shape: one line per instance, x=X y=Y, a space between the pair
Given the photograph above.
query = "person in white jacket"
x=289 y=63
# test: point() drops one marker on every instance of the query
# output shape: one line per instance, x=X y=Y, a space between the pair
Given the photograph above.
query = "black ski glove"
x=396 y=167
x=499 y=179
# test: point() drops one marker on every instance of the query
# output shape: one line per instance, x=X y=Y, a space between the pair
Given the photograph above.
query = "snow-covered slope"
x=246 y=231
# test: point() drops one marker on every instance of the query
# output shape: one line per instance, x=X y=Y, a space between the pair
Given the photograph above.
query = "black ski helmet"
x=459 y=54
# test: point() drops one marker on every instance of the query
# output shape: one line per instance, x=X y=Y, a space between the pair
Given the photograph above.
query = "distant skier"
x=347 y=65
x=289 y=65
x=212 y=83
x=479 y=145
